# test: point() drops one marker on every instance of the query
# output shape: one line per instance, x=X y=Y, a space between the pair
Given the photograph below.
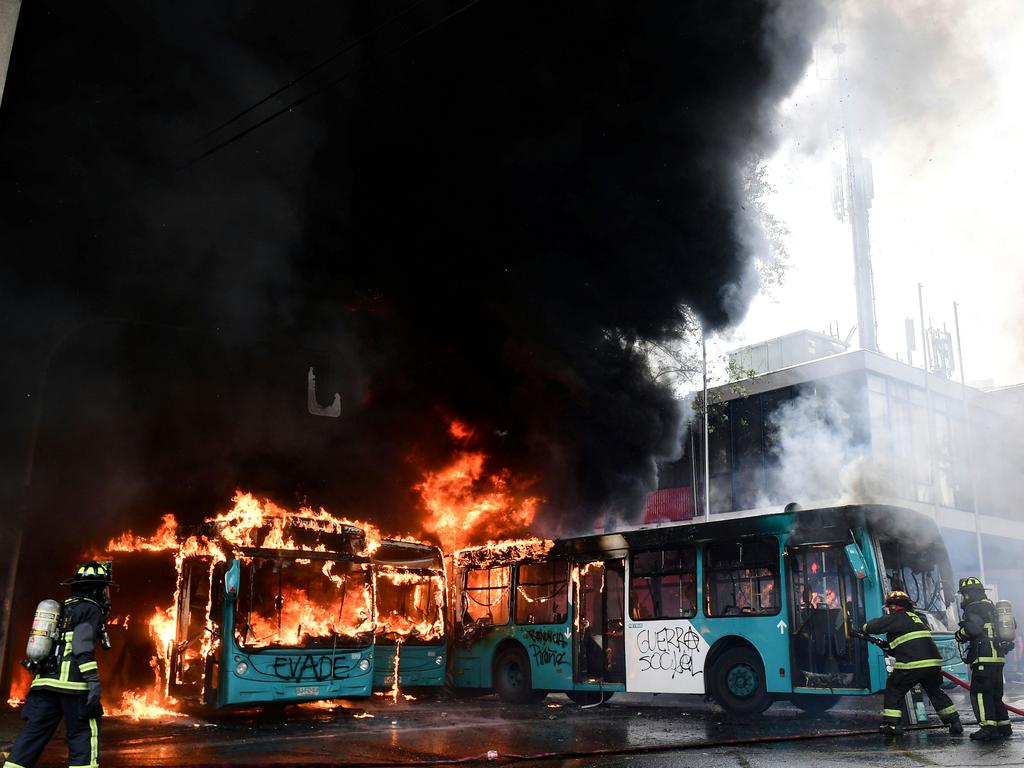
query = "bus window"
x=742 y=577
x=410 y=604
x=663 y=584
x=542 y=594
x=298 y=602
x=485 y=596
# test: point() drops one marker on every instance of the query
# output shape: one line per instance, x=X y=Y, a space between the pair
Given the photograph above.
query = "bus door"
x=191 y=675
x=600 y=636
x=826 y=605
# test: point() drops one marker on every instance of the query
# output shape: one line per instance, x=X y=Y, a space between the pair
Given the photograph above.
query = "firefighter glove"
x=93 y=707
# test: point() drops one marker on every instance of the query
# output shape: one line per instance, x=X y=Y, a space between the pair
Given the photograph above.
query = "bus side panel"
x=472 y=662
x=665 y=657
x=418 y=665
x=550 y=649
x=770 y=641
x=668 y=656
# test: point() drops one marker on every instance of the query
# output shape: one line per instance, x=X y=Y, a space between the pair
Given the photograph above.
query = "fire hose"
x=962 y=683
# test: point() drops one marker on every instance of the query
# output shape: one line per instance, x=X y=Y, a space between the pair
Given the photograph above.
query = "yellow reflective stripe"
x=982 y=720
x=49 y=682
x=1002 y=722
x=10 y=764
x=65 y=670
x=916 y=635
x=87 y=666
x=891 y=713
x=922 y=664
x=988 y=660
x=951 y=709
x=94 y=742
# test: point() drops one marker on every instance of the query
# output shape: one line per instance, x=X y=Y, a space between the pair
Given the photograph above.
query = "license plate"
x=308 y=690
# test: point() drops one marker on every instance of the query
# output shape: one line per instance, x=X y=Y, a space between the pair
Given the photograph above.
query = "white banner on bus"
x=664 y=657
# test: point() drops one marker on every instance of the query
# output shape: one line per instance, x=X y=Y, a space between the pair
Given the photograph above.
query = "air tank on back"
x=44 y=630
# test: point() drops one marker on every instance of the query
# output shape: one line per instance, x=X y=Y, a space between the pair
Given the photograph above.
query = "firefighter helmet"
x=900 y=598
x=97 y=572
x=970 y=583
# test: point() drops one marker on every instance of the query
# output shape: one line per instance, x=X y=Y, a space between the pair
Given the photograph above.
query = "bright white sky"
x=948 y=208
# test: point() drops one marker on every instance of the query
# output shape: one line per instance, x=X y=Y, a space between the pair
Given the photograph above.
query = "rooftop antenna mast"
x=852 y=193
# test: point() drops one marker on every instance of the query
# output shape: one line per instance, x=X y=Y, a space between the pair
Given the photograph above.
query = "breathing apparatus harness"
x=46 y=643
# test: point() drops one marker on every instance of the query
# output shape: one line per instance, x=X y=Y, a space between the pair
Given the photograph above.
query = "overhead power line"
x=313 y=70
x=325 y=86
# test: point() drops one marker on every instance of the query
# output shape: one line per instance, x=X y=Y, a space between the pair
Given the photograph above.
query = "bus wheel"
x=583 y=698
x=512 y=680
x=813 y=703
x=738 y=683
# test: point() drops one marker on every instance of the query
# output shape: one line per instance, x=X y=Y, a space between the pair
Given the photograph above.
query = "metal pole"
x=970 y=453
x=928 y=403
x=707 y=465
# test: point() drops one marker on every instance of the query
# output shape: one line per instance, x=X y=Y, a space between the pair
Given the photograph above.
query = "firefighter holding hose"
x=985 y=655
x=917 y=660
x=66 y=682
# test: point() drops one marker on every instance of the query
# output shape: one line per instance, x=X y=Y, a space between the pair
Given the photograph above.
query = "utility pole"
x=970 y=450
x=707 y=465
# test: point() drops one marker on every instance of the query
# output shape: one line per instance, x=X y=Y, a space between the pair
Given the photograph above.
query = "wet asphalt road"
x=661 y=731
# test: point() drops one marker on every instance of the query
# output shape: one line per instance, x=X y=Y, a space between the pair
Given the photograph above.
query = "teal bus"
x=747 y=609
x=410 y=602
x=324 y=618
x=263 y=625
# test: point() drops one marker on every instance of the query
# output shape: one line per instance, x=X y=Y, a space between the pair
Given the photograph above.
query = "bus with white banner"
x=750 y=609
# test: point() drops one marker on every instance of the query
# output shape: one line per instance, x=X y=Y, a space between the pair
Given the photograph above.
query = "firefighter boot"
x=985 y=733
x=956 y=728
x=1005 y=730
x=891 y=730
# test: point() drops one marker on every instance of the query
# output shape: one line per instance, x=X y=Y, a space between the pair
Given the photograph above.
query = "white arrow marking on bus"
x=782 y=627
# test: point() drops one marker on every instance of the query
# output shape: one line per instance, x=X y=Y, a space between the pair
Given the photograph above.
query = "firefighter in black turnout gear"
x=985 y=657
x=67 y=683
x=917 y=660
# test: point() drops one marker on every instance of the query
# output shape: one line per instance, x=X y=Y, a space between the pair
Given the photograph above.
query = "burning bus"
x=748 y=609
x=274 y=607
x=410 y=602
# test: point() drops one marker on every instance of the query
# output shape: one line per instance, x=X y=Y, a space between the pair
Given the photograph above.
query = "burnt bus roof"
x=408 y=555
x=806 y=526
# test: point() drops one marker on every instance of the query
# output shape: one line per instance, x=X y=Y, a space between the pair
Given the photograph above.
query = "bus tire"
x=814 y=703
x=513 y=681
x=738 y=682
x=585 y=698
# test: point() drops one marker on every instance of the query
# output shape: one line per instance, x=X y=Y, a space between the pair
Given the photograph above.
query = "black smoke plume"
x=485 y=212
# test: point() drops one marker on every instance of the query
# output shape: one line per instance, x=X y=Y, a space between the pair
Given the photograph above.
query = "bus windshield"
x=410 y=604
x=300 y=602
x=917 y=570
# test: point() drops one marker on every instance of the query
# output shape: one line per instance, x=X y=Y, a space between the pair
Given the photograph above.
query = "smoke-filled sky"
x=934 y=94
x=478 y=210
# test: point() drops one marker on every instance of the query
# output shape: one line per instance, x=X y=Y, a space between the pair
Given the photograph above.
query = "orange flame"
x=148 y=705
x=464 y=503
x=19 y=687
